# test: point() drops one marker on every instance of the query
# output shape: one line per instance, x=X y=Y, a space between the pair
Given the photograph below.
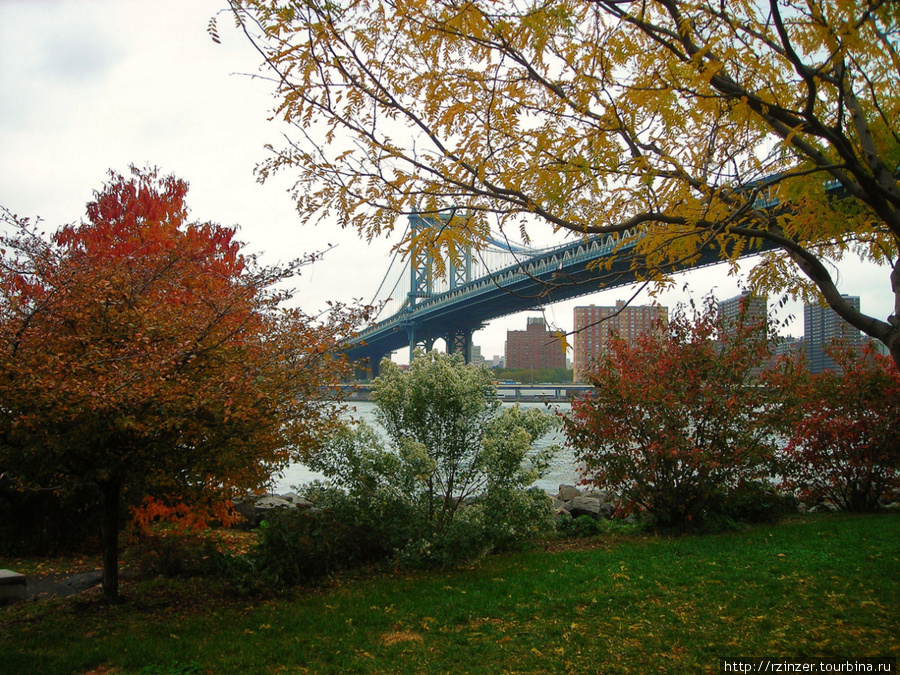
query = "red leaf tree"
x=671 y=423
x=142 y=354
x=845 y=448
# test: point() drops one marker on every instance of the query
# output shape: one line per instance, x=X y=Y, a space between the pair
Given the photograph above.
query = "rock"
x=254 y=510
x=246 y=510
x=585 y=505
x=567 y=493
x=297 y=500
x=12 y=587
x=270 y=502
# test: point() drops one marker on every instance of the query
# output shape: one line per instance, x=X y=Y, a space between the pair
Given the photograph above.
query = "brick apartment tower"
x=534 y=347
x=594 y=325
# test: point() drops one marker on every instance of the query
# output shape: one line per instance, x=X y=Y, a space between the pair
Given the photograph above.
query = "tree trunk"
x=894 y=319
x=111 y=498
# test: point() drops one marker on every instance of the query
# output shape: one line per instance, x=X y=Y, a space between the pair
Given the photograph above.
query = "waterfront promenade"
x=521 y=393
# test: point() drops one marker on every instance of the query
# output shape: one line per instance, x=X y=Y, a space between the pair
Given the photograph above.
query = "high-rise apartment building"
x=477 y=358
x=821 y=328
x=757 y=308
x=534 y=347
x=594 y=325
x=755 y=311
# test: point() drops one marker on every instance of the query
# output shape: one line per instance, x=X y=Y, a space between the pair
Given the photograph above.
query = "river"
x=562 y=469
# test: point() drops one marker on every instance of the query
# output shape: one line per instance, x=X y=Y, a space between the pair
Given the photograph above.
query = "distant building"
x=534 y=347
x=788 y=346
x=822 y=327
x=477 y=358
x=594 y=325
x=757 y=309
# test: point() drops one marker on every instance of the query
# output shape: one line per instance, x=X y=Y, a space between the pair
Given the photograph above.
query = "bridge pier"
x=418 y=339
x=459 y=341
x=371 y=368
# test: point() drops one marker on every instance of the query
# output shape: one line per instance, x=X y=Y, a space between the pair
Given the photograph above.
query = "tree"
x=845 y=447
x=674 y=420
x=673 y=125
x=142 y=354
x=450 y=450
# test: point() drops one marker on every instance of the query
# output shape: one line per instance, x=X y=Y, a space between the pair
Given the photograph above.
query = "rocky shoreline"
x=569 y=501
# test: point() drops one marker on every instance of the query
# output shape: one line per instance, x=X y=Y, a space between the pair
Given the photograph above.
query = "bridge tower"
x=421 y=285
x=459 y=339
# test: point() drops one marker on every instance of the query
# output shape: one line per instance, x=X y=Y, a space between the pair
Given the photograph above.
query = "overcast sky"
x=86 y=87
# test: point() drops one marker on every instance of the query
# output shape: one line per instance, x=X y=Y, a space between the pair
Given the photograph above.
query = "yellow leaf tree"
x=742 y=125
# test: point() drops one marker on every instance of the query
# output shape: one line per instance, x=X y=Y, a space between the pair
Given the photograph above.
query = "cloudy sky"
x=89 y=86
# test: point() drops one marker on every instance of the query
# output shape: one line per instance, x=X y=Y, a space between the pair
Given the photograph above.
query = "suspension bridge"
x=418 y=306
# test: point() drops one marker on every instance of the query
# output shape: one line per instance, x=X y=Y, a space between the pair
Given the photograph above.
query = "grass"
x=817 y=586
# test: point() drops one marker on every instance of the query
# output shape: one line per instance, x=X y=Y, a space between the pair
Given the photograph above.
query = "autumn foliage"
x=845 y=448
x=145 y=355
x=671 y=424
x=679 y=126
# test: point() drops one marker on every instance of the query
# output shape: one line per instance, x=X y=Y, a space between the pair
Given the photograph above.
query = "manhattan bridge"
x=418 y=306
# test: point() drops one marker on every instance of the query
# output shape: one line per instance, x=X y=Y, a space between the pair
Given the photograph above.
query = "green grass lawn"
x=817 y=586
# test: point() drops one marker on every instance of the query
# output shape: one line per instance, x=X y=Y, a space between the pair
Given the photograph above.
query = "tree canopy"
x=743 y=126
x=145 y=355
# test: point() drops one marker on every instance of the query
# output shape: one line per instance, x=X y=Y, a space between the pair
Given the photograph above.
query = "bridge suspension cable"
x=500 y=253
x=388 y=271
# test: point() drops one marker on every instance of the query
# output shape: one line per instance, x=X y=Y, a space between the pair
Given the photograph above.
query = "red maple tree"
x=142 y=354
x=845 y=445
x=671 y=423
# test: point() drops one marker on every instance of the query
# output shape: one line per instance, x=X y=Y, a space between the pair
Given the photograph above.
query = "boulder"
x=255 y=509
x=297 y=500
x=12 y=587
x=585 y=505
x=567 y=493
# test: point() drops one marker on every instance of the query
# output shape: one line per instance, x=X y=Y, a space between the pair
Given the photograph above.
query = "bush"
x=451 y=485
x=382 y=519
x=44 y=522
x=671 y=420
x=300 y=547
x=846 y=447
x=580 y=527
x=171 y=552
x=500 y=521
x=753 y=502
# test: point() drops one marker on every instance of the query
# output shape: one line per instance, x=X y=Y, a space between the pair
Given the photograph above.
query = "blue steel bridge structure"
x=419 y=307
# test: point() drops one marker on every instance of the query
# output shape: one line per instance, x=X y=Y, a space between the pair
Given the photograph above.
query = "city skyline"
x=593 y=324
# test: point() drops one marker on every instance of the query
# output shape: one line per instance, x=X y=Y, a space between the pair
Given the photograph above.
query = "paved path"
x=61 y=585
